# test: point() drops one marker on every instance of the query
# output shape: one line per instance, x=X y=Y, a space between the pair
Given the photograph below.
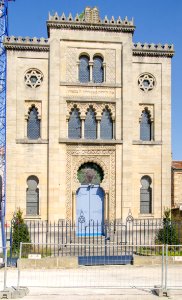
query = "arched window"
x=90 y=125
x=33 y=124
x=146 y=195
x=98 y=70
x=145 y=126
x=32 y=199
x=84 y=69
x=74 y=125
x=106 y=126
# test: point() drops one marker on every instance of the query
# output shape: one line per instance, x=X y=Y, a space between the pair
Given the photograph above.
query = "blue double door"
x=90 y=210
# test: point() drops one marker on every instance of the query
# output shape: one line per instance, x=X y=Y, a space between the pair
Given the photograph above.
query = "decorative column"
x=83 y=127
x=152 y=129
x=113 y=128
x=73 y=207
x=106 y=206
x=104 y=68
x=91 y=71
x=98 y=127
x=67 y=120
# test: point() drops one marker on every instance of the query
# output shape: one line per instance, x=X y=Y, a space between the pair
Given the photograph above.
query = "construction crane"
x=3 y=33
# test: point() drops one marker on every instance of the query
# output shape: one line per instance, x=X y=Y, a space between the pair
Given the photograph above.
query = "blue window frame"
x=33 y=125
x=145 y=126
x=106 y=126
x=90 y=125
x=146 y=195
x=74 y=125
x=98 y=70
x=84 y=69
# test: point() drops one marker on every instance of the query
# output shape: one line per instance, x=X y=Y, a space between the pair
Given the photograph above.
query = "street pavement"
x=96 y=282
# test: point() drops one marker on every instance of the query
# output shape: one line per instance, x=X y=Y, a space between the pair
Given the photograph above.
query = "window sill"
x=31 y=217
x=28 y=141
x=85 y=141
x=146 y=216
x=147 y=142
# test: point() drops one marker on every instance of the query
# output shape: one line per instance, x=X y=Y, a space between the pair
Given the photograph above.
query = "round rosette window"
x=33 y=78
x=146 y=82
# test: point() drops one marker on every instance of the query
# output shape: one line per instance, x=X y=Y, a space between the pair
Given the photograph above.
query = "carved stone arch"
x=70 y=109
x=93 y=107
x=104 y=156
x=107 y=107
x=30 y=107
x=97 y=160
x=148 y=111
x=99 y=55
x=83 y=54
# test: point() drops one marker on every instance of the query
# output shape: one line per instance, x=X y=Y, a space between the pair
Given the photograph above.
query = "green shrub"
x=20 y=232
x=168 y=234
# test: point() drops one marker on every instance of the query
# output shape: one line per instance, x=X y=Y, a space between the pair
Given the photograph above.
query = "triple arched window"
x=90 y=126
x=145 y=126
x=33 y=124
x=91 y=71
x=146 y=195
x=32 y=196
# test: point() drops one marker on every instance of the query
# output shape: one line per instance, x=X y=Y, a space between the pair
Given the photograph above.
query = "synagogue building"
x=88 y=122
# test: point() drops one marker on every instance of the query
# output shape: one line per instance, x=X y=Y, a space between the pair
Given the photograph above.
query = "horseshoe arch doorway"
x=90 y=201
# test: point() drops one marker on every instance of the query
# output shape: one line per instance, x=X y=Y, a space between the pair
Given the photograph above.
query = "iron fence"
x=101 y=235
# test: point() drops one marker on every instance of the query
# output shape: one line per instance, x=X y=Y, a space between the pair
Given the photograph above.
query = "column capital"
x=98 y=118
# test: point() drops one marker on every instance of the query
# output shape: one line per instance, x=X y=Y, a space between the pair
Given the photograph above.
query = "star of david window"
x=146 y=82
x=33 y=78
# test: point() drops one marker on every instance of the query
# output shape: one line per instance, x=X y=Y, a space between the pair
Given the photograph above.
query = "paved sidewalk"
x=96 y=294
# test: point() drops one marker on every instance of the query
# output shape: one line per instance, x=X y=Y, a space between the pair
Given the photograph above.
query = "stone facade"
x=137 y=78
x=176 y=180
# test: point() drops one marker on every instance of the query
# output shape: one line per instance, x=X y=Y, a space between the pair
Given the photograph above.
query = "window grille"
x=145 y=127
x=84 y=69
x=98 y=70
x=33 y=125
x=106 y=126
x=32 y=199
x=74 y=125
x=90 y=125
x=146 y=195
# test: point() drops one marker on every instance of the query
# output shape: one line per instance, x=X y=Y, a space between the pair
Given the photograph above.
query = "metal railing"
x=132 y=232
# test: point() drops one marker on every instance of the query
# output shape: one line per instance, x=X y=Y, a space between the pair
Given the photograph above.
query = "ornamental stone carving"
x=29 y=104
x=33 y=78
x=104 y=156
x=110 y=60
x=71 y=65
x=98 y=108
x=146 y=82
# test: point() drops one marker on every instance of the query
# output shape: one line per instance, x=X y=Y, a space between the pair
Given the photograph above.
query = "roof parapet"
x=144 y=49
x=90 y=20
x=26 y=43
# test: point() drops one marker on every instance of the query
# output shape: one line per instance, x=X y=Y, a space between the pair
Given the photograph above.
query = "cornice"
x=89 y=27
x=90 y=21
x=26 y=43
x=157 y=50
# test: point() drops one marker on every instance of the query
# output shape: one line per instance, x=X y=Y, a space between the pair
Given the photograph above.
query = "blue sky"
x=157 y=21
